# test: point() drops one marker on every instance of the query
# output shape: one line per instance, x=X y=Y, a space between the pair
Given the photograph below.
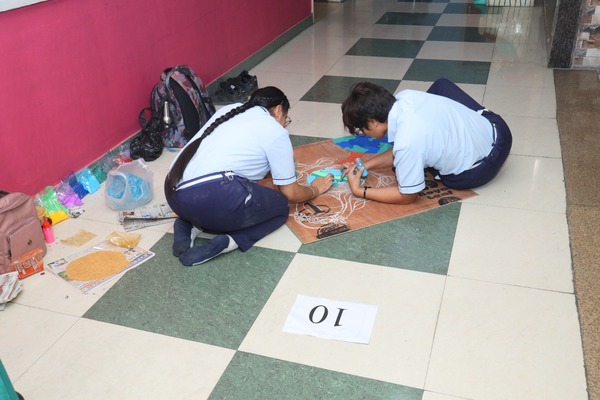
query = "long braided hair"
x=267 y=97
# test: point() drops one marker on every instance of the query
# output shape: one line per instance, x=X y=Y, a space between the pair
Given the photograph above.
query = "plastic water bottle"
x=166 y=118
x=359 y=165
x=47 y=229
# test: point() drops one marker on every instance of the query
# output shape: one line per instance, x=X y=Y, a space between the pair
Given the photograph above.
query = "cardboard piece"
x=338 y=210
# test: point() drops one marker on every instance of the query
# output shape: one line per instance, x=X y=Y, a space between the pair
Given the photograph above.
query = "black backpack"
x=181 y=102
x=148 y=144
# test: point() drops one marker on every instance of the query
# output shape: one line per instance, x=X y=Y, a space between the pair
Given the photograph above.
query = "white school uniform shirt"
x=250 y=144
x=433 y=131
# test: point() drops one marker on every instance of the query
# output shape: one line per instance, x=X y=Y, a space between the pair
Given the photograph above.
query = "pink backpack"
x=20 y=228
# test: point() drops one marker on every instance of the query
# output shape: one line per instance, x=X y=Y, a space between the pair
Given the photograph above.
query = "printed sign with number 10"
x=331 y=319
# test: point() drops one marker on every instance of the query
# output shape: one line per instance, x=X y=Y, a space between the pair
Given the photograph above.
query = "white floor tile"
x=344 y=23
x=417 y=7
x=27 y=333
x=317 y=120
x=536 y=137
x=338 y=27
x=309 y=42
x=521 y=101
x=307 y=63
x=531 y=183
x=531 y=53
x=475 y=91
x=371 y=67
x=407 y=310
x=461 y=51
x=95 y=360
x=282 y=239
x=520 y=74
x=322 y=9
x=414 y=85
x=294 y=85
x=504 y=342
x=519 y=24
x=517 y=247
x=466 y=20
x=439 y=396
x=401 y=32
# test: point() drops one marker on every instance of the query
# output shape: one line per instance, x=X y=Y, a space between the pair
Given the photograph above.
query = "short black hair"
x=366 y=101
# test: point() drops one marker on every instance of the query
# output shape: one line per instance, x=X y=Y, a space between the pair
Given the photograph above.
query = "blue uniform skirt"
x=225 y=203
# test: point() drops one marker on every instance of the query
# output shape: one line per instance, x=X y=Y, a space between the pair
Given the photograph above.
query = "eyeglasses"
x=288 y=121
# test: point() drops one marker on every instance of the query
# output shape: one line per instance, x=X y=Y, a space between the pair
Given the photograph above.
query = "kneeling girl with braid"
x=211 y=185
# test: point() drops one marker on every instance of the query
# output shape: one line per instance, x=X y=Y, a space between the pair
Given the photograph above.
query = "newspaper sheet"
x=10 y=287
x=146 y=216
x=135 y=256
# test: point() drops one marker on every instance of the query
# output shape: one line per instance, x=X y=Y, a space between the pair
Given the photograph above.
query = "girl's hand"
x=354 y=178
x=346 y=168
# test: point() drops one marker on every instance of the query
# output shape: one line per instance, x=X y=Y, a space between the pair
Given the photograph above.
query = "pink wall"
x=74 y=74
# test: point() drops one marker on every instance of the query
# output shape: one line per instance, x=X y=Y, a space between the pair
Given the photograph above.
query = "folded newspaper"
x=142 y=217
x=10 y=287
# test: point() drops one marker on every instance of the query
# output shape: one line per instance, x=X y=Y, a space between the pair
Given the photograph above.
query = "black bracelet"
x=365 y=192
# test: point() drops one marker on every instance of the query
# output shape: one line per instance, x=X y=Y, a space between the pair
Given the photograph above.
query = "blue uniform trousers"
x=225 y=203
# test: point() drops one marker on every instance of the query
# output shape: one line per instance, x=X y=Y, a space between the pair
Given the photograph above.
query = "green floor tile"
x=386 y=48
x=462 y=34
x=420 y=242
x=400 y=18
x=475 y=72
x=299 y=140
x=214 y=303
x=253 y=377
x=335 y=89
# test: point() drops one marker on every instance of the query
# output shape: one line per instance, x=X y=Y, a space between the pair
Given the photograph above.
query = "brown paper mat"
x=338 y=210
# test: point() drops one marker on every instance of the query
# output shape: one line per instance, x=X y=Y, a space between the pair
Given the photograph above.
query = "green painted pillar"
x=7 y=392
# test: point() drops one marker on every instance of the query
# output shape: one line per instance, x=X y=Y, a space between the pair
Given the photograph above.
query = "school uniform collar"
x=391 y=120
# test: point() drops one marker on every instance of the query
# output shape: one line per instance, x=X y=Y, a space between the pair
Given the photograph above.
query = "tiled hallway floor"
x=475 y=299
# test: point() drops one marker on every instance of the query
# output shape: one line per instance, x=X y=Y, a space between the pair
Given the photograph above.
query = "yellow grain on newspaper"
x=97 y=265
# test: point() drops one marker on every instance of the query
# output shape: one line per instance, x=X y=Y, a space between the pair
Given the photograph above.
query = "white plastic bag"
x=128 y=186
